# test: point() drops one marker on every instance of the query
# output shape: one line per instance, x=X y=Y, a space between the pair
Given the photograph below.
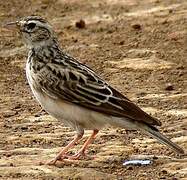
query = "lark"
x=74 y=94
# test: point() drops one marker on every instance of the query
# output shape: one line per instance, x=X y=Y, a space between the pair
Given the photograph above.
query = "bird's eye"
x=31 y=26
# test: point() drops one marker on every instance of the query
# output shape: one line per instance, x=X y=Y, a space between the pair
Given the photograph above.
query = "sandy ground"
x=139 y=47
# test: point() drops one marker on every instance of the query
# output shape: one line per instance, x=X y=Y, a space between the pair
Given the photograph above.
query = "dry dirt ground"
x=139 y=47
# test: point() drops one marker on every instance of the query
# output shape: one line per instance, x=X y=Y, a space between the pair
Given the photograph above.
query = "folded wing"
x=80 y=85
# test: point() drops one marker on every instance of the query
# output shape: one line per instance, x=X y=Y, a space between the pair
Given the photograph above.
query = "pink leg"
x=65 y=149
x=84 y=147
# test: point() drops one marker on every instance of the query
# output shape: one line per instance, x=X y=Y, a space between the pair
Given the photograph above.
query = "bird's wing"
x=78 y=84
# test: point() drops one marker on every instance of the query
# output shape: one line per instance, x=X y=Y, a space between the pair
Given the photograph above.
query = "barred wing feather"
x=83 y=87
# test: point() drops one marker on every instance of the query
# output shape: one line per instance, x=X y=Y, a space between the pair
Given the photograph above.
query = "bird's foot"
x=79 y=155
x=57 y=158
x=75 y=156
x=70 y=158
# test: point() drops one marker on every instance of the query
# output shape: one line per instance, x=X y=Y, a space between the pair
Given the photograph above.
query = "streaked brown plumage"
x=75 y=94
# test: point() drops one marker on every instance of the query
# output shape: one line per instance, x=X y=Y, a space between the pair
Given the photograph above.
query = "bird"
x=73 y=93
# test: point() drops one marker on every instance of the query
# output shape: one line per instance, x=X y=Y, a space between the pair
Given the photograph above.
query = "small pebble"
x=169 y=87
x=136 y=26
x=41 y=163
x=170 y=10
x=130 y=168
x=9 y=113
x=164 y=171
x=155 y=157
x=80 y=24
x=121 y=43
x=11 y=164
x=8 y=155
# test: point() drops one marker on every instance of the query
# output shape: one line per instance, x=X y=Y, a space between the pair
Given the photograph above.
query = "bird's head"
x=34 y=30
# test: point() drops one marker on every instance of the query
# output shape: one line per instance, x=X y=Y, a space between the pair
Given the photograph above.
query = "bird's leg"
x=81 y=152
x=61 y=154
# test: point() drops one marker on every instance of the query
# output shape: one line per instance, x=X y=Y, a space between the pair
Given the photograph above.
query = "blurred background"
x=139 y=47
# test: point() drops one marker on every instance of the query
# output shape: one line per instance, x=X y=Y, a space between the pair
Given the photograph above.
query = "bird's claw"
x=67 y=158
x=58 y=158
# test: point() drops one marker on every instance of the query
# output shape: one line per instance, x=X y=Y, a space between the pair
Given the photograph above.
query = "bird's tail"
x=153 y=132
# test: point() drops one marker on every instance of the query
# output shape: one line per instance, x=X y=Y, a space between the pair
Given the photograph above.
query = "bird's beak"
x=11 y=25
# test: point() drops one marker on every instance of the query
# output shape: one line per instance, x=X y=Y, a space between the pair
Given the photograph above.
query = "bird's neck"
x=41 y=55
x=37 y=46
x=47 y=50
